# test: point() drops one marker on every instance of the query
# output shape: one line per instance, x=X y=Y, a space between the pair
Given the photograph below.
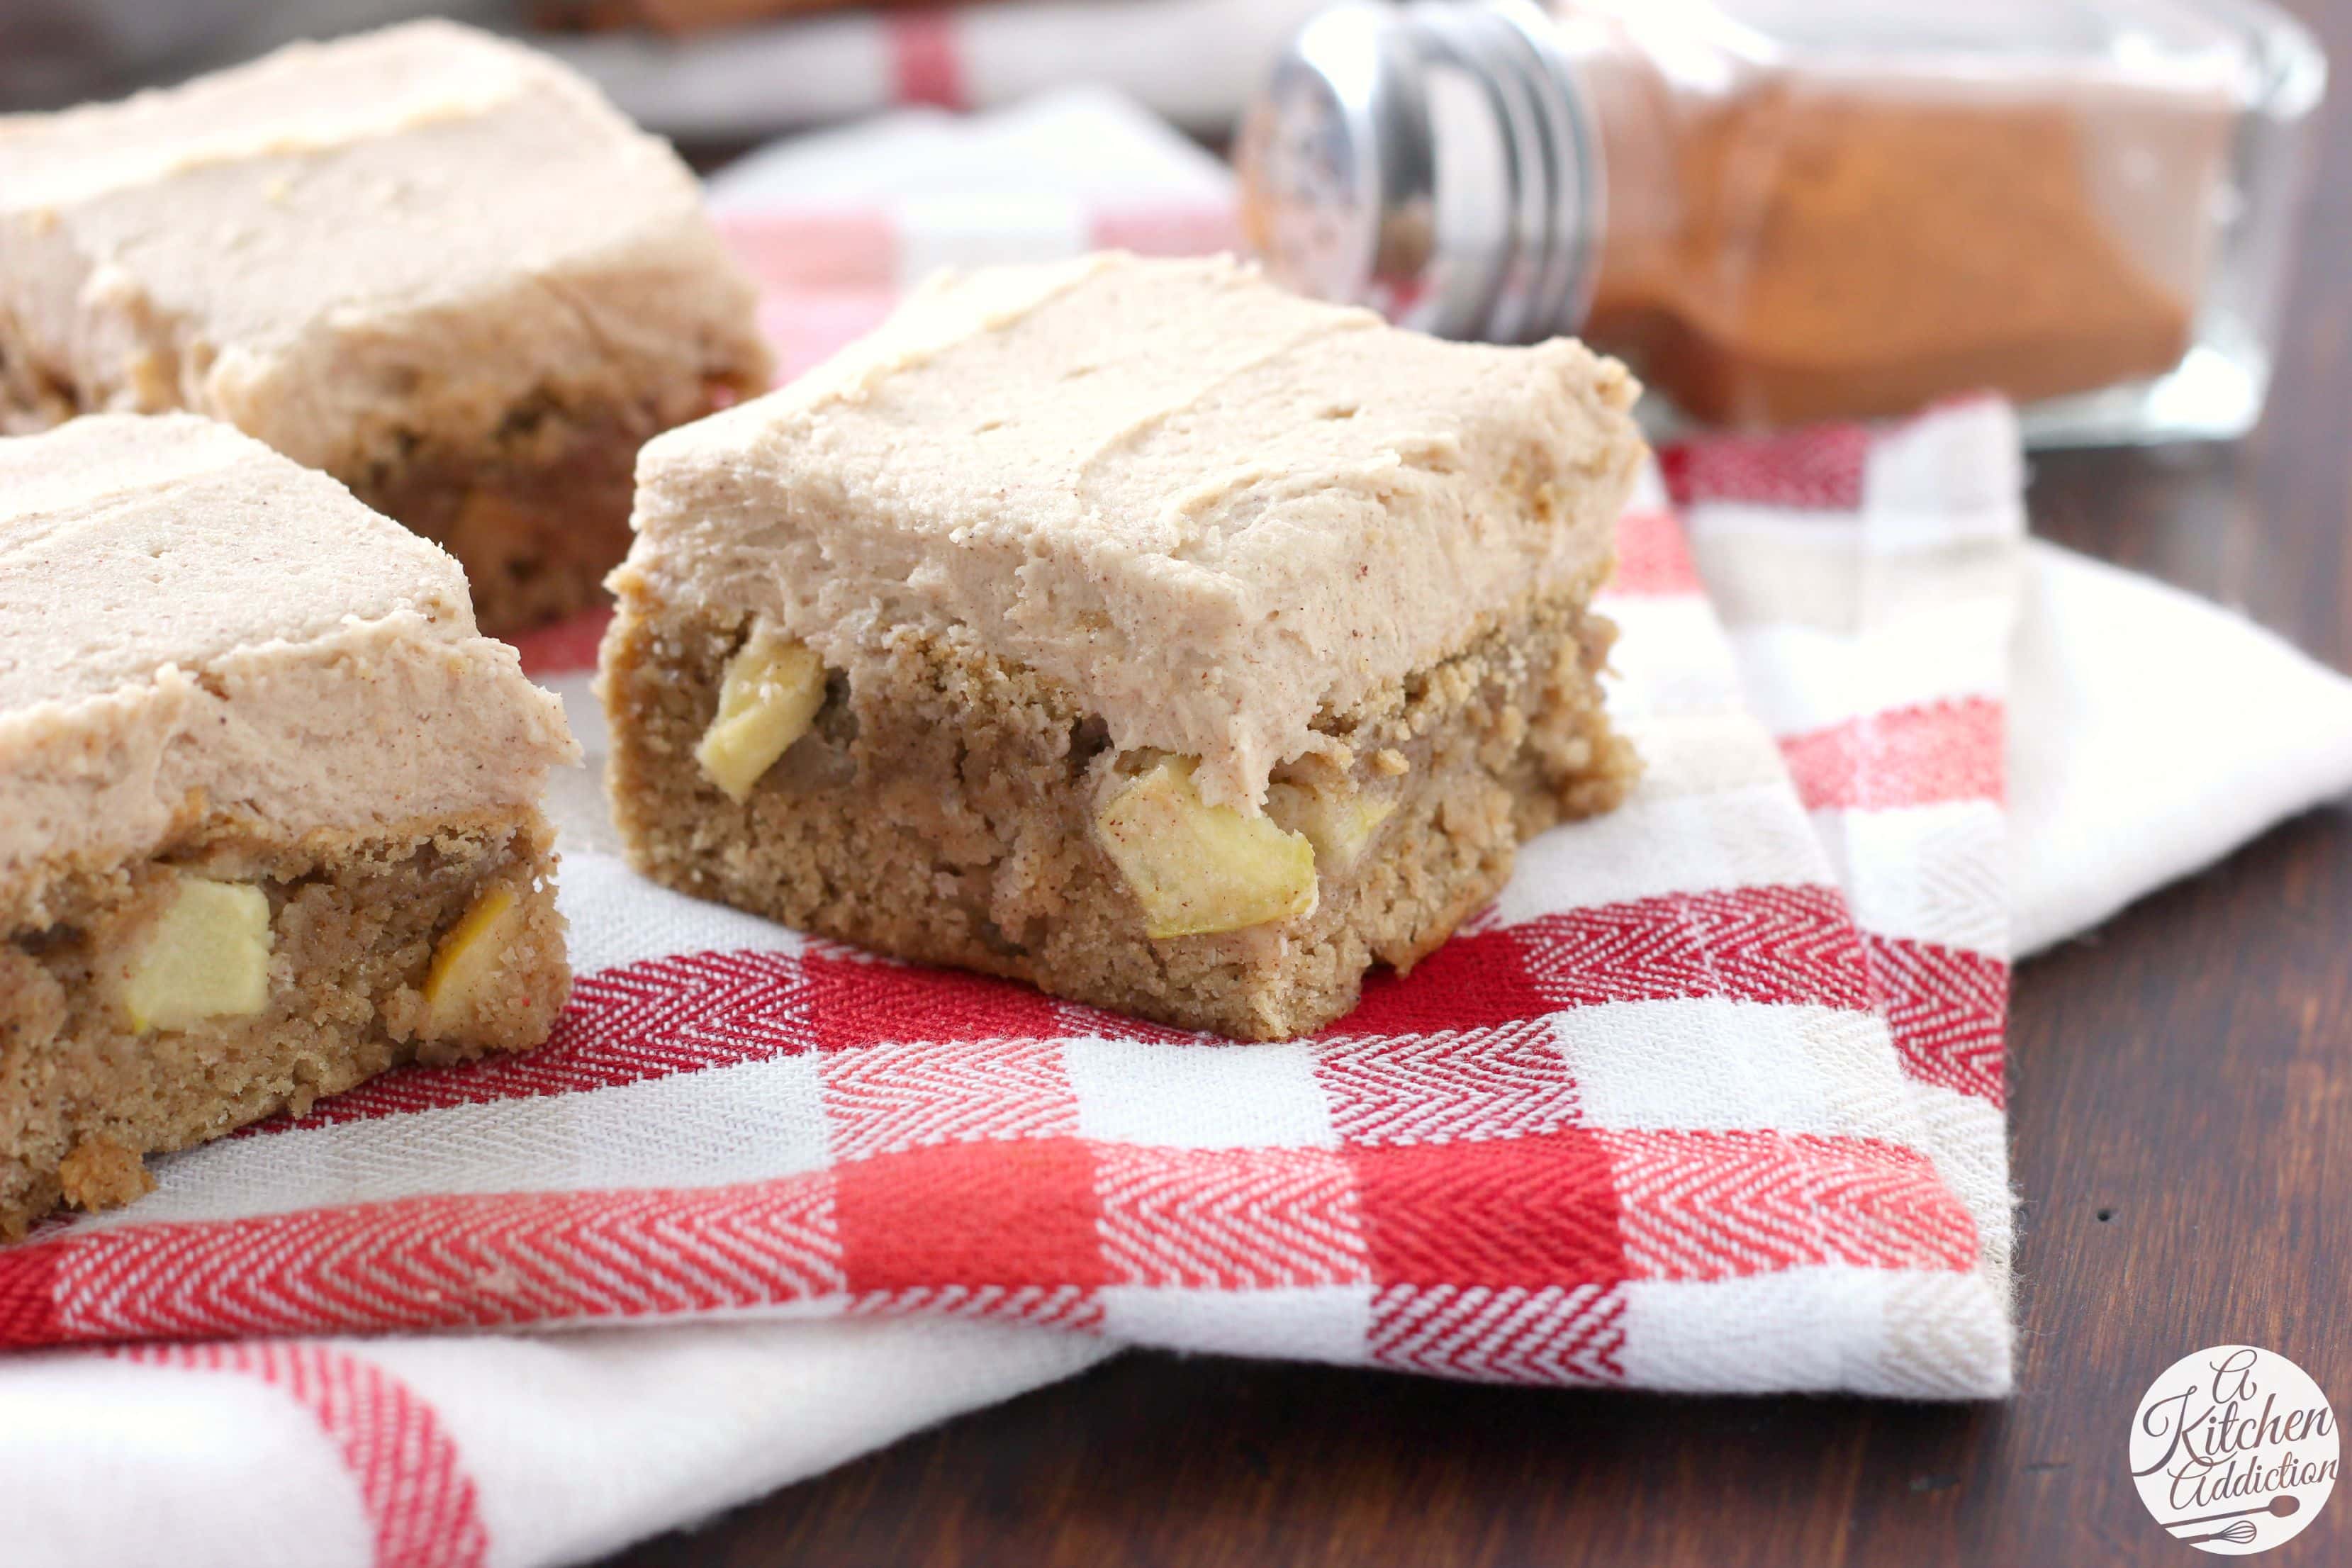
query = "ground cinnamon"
x=1838 y=256
x=1793 y=250
x=1787 y=210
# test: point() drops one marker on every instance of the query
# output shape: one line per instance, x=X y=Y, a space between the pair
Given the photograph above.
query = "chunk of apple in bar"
x=468 y=957
x=207 y=956
x=1196 y=868
x=770 y=691
x=1339 y=824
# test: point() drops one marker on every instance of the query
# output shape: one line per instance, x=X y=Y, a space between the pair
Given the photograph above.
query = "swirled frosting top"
x=1210 y=507
x=195 y=630
x=343 y=246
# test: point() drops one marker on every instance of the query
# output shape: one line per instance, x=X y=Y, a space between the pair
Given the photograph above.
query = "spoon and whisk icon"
x=2237 y=1534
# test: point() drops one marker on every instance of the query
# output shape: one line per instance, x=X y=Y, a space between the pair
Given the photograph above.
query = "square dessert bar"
x=435 y=264
x=1129 y=627
x=268 y=818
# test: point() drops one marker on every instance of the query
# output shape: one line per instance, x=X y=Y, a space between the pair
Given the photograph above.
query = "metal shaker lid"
x=1433 y=161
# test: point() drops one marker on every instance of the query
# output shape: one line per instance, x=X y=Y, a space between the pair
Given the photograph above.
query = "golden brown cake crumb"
x=100 y=1174
x=941 y=807
x=355 y=925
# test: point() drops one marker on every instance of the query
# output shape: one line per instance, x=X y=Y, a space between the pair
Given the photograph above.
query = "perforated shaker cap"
x=1433 y=161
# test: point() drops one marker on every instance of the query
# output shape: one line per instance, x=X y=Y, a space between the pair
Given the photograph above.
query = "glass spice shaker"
x=1787 y=210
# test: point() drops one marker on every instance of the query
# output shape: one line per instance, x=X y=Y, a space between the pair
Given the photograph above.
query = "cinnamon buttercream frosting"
x=344 y=249
x=1210 y=508
x=194 y=630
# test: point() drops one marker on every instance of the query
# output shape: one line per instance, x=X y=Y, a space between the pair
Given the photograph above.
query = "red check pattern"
x=1909 y=780
x=422 y=1507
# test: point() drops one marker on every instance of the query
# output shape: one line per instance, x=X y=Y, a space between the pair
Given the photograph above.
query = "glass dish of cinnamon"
x=1789 y=210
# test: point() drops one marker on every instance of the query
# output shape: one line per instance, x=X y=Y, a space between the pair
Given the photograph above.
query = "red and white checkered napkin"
x=1664 y=1117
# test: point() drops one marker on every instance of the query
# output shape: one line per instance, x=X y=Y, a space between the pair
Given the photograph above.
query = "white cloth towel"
x=2150 y=732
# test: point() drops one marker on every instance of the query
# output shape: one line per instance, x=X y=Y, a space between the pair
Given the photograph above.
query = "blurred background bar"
x=711 y=72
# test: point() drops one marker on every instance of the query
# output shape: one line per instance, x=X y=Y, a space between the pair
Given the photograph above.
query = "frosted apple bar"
x=434 y=263
x=268 y=805
x=1132 y=628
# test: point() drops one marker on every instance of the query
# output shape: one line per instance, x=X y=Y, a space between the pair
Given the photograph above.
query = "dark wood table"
x=2181 y=1115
